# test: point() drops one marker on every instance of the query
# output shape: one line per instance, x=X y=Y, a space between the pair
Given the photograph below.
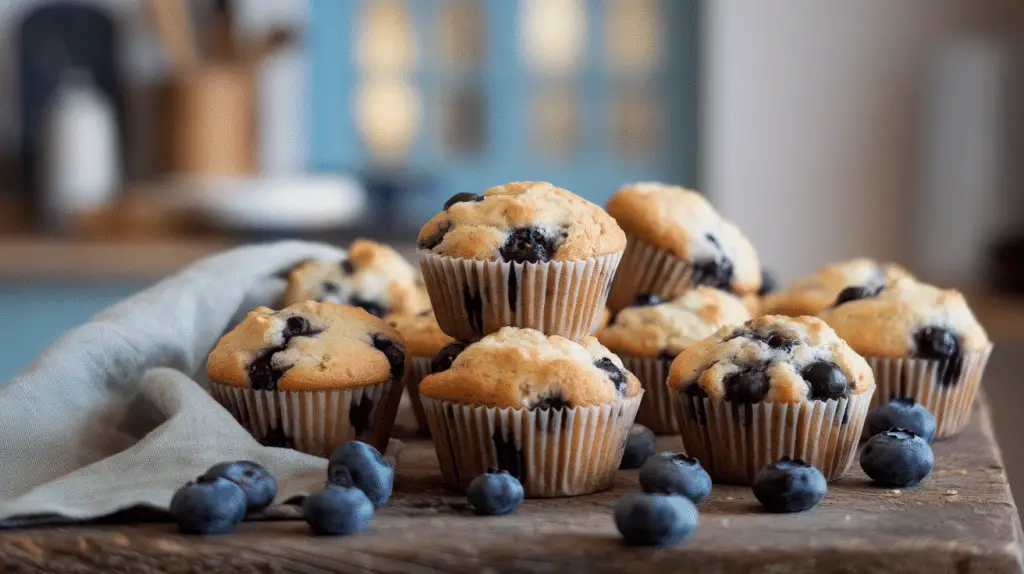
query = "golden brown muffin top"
x=818 y=291
x=423 y=337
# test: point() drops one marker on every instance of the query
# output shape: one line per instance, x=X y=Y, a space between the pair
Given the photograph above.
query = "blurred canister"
x=210 y=124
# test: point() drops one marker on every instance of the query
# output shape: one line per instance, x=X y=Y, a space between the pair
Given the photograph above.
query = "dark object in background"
x=1006 y=265
x=390 y=193
x=52 y=38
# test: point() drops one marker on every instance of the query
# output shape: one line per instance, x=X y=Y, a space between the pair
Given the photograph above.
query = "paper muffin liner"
x=315 y=422
x=563 y=452
x=648 y=269
x=473 y=298
x=418 y=367
x=657 y=411
x=922 y=380
x=734 y=441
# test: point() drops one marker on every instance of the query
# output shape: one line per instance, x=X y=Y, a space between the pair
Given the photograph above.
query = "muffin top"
x=308 y=346
x=772 y=358
x=522 y=222
x=423 y=337
x=814 y=293
x=682 y=222
x=907 y=318
x=651 y=328
x=523 y=368
x=374 y=277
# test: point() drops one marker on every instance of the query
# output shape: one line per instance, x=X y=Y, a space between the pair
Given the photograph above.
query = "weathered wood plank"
x=962 y=520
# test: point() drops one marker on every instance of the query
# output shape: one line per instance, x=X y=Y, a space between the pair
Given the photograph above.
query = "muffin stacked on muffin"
x=424 y=339
x=650 y=334
x=774 y=386
x=815 y=293
x=676 y=240
x=525 y=254
x=310 y=376
x=923 y=343
x=553 y=412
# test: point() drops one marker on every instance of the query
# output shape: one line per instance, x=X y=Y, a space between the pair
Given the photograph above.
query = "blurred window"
x=636 y=120
x=633 y=35
x=460 y=35
x=555 y=121
x=553 y=35
x=462 y=121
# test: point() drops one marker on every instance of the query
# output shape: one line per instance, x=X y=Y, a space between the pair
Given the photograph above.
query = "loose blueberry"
x=639 y=447
x=495 y=493
x=209 y=506
x=767 y=283
x=462 y=198
x=259 y=486
x=789 y=486
x=646 y=299
x=655 y=519
x=337 y=511
x=527 y=245
x=936 y=343
x=616 y=375
x=675 y=473
x=826 y=381
x=444 y=358
x=902 y=414
x=365 y=467
x=897 y=458
x=746 y=386
x=853 y=293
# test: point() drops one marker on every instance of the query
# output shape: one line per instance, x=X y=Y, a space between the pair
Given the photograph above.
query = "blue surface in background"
x=37 y=312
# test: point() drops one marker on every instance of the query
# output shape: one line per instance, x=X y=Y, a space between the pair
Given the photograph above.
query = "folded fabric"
x=115 y=414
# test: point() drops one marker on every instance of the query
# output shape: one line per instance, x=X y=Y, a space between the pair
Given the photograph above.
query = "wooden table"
x=961 y=520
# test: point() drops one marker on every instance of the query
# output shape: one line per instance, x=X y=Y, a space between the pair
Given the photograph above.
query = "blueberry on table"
x=639 y=447
x=259 y=486
x=675 y=473
x=897 y=458
x=789 y=485
x=494 y=493
x=337 y=511
x=902 y=414
x=208 y=506
x=655 y=519
x=358 y=464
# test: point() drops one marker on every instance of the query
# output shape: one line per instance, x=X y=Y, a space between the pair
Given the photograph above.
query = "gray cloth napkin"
x=115 y=413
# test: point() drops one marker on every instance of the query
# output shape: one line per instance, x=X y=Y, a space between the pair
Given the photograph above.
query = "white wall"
x=812 y=113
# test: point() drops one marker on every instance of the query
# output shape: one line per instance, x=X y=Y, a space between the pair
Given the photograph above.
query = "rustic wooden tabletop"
x=962 y=519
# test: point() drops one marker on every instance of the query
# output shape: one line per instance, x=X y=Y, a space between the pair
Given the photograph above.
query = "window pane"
x=636 y=123
x=388 y=116
x=555 y=121
x=633 y=35
x=553 y=35
x=385 y=39
x=462 y=121
x=460 y=37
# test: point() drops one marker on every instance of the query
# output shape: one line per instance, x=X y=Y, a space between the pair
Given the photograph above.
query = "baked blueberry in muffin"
x=832 y=284
x=374 y=277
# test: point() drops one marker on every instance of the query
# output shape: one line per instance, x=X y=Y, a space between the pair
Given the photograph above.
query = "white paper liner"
x=473 y=298
x=418 y=367
x=315 y=422
x=918 y=379
x=657 y=411
x=565 y=452
x=648 y=269
x=735 y=441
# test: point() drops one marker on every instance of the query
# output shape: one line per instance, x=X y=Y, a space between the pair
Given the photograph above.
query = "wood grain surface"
x=962 y=519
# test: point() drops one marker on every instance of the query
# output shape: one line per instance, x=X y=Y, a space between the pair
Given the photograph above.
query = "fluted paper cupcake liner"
x=553 y=452
x=473 y=298
x=734 y=441
x=315 y=422
x=649 y=269
x=935 y=384
x=657 y=411
x=418 y=367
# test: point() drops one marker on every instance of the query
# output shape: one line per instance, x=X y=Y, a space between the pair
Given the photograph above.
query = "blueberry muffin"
x=677 y=241
x=815 y=293
x=649 y=335
x=310 y=376
x=374 y=277
x=423 y=340
x=922 y=342
x=774 y=386
x=524 y=254
x=553 y=412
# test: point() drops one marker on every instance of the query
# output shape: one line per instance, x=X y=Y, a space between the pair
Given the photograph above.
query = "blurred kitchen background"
x=139 y=135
